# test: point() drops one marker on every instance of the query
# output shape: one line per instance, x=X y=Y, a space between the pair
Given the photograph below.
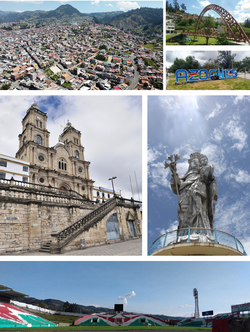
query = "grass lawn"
x=59 y=318
x=200 y=41
x=227 y=84
x=116 y=328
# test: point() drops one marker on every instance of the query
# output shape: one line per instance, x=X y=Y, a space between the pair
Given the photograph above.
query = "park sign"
x=240 y=307
x=196 y=75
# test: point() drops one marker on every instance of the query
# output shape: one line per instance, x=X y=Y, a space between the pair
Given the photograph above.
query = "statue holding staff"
x=196 y=190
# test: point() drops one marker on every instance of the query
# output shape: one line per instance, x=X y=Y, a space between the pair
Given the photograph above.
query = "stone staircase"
x=46 y=247
x=64 y=237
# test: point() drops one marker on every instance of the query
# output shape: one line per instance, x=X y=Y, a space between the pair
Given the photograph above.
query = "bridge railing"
x=196 y=235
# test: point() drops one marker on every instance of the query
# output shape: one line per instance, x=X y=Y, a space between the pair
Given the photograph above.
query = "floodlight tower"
x=196 y=313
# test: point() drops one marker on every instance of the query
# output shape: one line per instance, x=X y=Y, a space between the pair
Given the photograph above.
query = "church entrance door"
x=112 y=228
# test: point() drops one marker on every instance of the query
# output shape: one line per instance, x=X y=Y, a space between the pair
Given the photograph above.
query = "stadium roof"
x=9 y=292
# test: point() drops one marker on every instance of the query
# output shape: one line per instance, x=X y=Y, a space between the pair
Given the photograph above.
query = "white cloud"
x=109 y=5
x=185 y=306
x=216 y=111
x=127 y=5
x=236 y=132
x=125 y=297
x=204 y=3
x=95 y=2
x=110 y=126
x=241 y=177
x=161 y=230
x=174 y=224
x=243 y=5
x=238 y=98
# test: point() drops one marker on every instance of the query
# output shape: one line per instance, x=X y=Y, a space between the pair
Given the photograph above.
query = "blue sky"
x=83 y=6
x=160 y=287
x=240 y=9
x=111 y=128
x=216 y=126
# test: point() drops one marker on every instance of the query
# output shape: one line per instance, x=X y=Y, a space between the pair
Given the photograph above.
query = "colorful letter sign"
x=195 y=75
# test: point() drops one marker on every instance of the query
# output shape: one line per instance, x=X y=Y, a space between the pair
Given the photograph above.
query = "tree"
x=247 y=23
x=189 y=63
x=176 y=6
x=226 y=59
x=210 y=64
x=183 y=7
x=222 y=39
x=208 y=23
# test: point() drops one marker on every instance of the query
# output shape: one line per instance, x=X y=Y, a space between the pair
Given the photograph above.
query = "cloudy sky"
x=201 y=56
x=216 y=126
x=148 y=287
x=240 y=9
x=82 y=5
x=111 y=130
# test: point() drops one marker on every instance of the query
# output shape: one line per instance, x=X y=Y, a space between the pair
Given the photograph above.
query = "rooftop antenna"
x=131 y=187
x=137 y=187
x=196 y=313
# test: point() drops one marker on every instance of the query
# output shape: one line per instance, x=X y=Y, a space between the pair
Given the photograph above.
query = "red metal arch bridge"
x=237 y=33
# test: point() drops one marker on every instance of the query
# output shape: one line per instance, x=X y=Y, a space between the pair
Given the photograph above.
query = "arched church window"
x=24 y=139
x=62 y=165
x=39 y=139
x=76 y=154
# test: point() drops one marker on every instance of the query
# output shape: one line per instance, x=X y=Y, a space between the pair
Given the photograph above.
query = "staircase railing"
x=63 y=237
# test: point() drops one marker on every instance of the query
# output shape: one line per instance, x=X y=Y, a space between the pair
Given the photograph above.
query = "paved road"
x=126 y=248
x=246 y=76
x=136 y=79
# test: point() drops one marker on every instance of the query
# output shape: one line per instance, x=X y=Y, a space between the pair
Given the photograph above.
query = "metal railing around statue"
x=196 y=235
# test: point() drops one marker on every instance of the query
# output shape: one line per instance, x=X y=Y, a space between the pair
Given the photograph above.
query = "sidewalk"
x=126 y=248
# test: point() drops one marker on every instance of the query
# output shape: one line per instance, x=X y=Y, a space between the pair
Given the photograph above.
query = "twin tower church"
x=63 y=165
x=48 y=201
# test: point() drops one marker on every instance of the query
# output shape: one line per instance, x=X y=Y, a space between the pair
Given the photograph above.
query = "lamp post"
x=111 y=179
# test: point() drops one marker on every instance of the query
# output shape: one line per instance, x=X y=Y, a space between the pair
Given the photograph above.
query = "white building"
x=170 y=26
x=12 y=167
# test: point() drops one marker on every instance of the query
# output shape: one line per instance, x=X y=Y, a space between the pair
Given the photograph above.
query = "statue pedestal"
x=197 y=249
x=193 y=241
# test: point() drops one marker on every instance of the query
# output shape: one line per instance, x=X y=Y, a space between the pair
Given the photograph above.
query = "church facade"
x=55 y=210
x=62 y=166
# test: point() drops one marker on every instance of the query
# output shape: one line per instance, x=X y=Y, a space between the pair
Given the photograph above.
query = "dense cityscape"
x=81 y=55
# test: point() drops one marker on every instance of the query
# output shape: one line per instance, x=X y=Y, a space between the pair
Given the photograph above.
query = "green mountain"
x=64 y=11
x=135 y=18
x=57 y=305
x=130 y=20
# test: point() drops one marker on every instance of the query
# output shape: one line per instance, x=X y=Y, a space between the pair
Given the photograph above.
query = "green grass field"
x=227 y=84
x=199 y=41
x=111 y=328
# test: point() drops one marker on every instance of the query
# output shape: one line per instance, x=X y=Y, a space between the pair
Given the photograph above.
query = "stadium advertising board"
x=208 y=313
x=240 y=307
x=196 y=75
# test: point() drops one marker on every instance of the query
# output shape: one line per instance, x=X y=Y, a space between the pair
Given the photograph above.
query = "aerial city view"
x=48 y=46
